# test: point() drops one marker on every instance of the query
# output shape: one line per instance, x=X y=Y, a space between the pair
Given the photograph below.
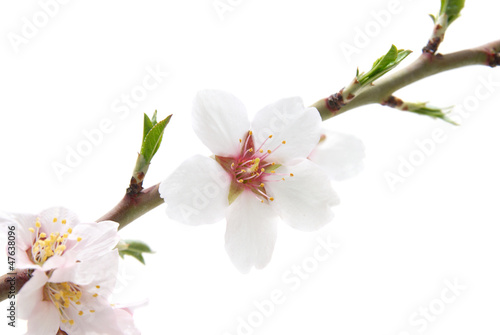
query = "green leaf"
x=452 y=9
x=134 y=249
x=148 y=124
x=436 y=113
x=153 y=139
x=383 y=65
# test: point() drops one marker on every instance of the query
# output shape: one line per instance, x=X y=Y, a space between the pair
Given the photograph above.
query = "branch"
x=424 y=66
x=133 y=206
x=19 y=279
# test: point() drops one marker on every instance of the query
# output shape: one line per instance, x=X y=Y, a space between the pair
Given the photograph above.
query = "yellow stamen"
x=268 y=151
x=70 y=230
x=32 y=230
x=261 y=184
x=291 y=174
x=63 y=221
x=250 y=133
x=80 y=313
x=97 y=286
x=43 y=235
x=284 y=142
x=38 y=224
x=54 y=220
x=261 y=151
x=71 y=322
x=271 y=198
x=270 y=136
x=95 y=295
x=92 y=311
x=79 y=239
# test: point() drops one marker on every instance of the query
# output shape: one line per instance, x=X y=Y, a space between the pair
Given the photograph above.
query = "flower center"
x=66 y=296
x=45 y=246
x=252 y=169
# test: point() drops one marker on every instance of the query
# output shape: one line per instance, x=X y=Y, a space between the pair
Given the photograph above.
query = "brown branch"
x=11 y=284
x=424 y=66
x=134 y=205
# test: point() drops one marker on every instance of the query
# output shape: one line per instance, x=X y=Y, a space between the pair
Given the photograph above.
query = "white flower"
x=259 y=173
x=75 y=270
x=74 y=299
x=55 y=238
x=340 y=155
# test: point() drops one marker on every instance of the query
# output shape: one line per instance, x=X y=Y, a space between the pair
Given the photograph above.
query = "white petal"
x=45 y=320
x=23 y=261
x=89 y=274
x=197 y=191
x=31 y=294
x=287 y=120
x=102 y=321
x=340 y=155
x=126 y=322
x=59 y=215
x=250 y=232
x=220 y=120
x=23 y=222
x=97 y=238
x=303 y=201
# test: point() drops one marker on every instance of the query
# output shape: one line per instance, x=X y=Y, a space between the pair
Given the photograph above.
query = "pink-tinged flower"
x=75 y=270
x=340 y=155
x=75 y=300
x=258 y=174
x=55 y=238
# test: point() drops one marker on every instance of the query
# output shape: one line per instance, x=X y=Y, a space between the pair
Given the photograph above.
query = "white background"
x=397 y=247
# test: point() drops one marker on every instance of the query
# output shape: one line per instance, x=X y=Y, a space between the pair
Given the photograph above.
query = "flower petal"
x=91 y=273
x=340 y=155
x=57 y=220
x=197 y=191
x=44 y=320
x=250 y=232
x=31 y=294
x=304 y=200
x=287 y=120
x=126 y=322
x=102 y=321
x=220 y=120
x=97 y=238
x=22 y=222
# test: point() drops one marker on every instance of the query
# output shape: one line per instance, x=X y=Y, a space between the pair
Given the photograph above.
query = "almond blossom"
x=259 y=173
x=55 y=238
x=73 y=299
x=75 y=268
